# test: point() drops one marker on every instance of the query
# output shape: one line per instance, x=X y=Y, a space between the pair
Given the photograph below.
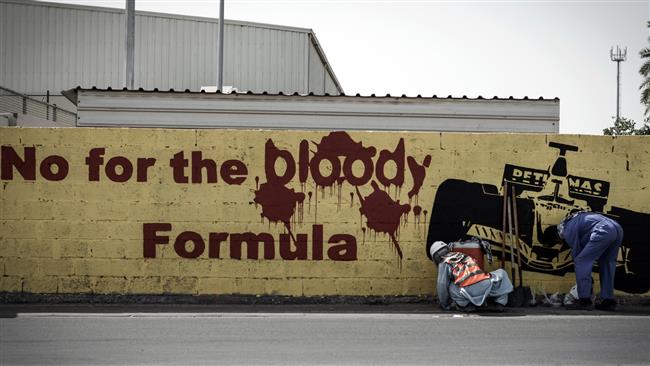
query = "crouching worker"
x=463 y=284
x=592 y=236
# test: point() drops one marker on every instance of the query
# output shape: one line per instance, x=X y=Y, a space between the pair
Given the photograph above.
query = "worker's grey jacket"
x=498 y=286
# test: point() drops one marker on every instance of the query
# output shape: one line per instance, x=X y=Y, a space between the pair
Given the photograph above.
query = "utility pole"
x=618 y=56
x=221 y=21
x=130 y=42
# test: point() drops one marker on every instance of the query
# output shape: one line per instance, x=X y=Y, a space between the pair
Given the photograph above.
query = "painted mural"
x=298 y=213
x=463 y=209
x=335 y=161
x=340 y=152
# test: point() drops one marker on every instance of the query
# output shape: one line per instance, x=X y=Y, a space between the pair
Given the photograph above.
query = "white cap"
x=436 y=246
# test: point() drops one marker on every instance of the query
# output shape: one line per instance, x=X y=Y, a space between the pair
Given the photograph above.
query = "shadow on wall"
x=464 y=209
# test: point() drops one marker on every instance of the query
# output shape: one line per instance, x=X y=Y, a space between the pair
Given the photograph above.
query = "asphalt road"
x=321 y=338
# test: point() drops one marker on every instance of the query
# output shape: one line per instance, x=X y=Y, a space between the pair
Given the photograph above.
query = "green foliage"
x=625 y=126
x=645 y=129
x=622 y=126
x=645 y=72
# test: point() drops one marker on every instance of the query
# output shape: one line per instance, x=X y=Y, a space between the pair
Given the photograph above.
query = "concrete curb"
x=30 y=298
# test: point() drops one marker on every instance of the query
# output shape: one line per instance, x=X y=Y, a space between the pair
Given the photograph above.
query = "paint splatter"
x=383 y=214
x=339 y=143
x=278 y=202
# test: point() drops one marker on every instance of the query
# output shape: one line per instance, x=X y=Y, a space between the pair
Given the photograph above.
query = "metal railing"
x=14 y=102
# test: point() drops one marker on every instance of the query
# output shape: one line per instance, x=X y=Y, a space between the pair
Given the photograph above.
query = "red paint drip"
x=309 y=204
x=383 y=214
x=316 y=205
x=339 y=189
x=417 y=210
x=361 y=219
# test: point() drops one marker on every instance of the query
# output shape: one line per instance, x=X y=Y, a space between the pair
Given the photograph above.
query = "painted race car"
x=463 y=209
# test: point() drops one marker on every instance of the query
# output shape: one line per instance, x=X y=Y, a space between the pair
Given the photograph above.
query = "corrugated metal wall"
x=118 y=108
x=316 y=70
x=45 y=46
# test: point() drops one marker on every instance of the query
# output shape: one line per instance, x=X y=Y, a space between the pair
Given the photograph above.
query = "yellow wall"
x=80 y=236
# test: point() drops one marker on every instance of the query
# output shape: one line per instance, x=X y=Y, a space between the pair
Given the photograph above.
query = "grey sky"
x=519 y=48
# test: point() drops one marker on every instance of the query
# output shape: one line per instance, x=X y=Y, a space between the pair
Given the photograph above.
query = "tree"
x=625 y=126
x=645 y=130
x=645 y=72
x=622 y=126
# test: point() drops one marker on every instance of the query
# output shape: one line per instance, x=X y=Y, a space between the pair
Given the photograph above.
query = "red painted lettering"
x=303 y=161
x=397 y=157
x=178 y=164
x=125 y=172
x=118 y=169
x=215 y=240
x=233 y=172
x=317 y=242
x=94 y=161
x=367 y=169
x=346 y=251
x=180 y=245
x=143 y=168
x=272 y=154
x=10 y=160
x=418 y=173
x=252 y=241
x=198 y=163
x=61 y=168
x=27 y=167
x=343 y=247
x=301 y=247
x=151 y=238
x=315 y=169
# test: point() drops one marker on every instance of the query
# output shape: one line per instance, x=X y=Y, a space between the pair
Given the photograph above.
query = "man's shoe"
x=606 y=305
x=580 y=304
x=469 y=308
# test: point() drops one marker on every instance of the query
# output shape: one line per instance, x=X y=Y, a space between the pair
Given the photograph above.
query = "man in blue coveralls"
x=592 y=236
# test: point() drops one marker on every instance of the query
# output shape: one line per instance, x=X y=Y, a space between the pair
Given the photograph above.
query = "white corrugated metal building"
x=282 y=71
x=153 y=108
x=50 y=46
